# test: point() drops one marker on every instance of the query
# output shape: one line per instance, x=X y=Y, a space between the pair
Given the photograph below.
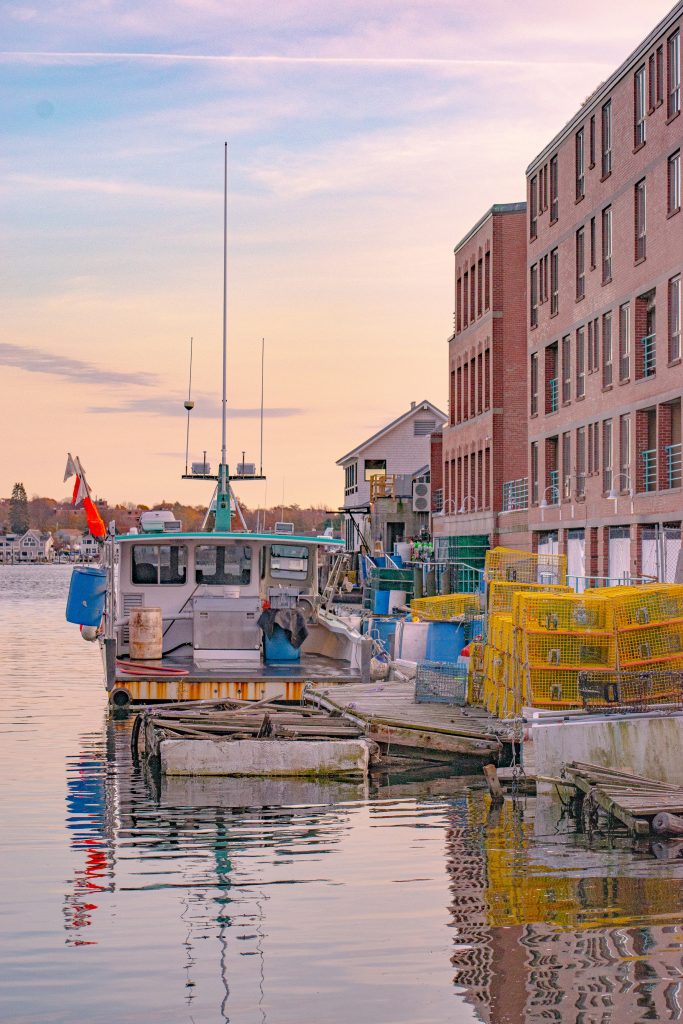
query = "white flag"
x=70 y=468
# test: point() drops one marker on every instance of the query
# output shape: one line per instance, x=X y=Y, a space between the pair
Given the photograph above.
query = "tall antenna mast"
x=263 y=352
x=223 y=510
x=189 y=405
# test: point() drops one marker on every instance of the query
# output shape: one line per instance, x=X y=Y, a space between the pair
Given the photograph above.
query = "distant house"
x=380 y=474
x=32 y=546
x=86 y=548
x=7 y=541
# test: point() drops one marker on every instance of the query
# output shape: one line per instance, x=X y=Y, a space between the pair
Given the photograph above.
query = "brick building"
x=605 y=377
x=483 y=446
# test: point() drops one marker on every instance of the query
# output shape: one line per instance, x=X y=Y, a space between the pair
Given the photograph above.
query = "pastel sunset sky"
x=365 y=138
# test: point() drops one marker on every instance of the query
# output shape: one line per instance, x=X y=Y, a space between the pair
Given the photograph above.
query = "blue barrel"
x=278 y=646
x=445 y=640
x=87 y=594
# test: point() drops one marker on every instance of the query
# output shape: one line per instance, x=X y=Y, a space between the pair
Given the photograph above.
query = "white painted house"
x=32 y=546
x=386 y=465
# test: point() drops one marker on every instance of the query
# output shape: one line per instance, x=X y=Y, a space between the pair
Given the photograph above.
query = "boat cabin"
x=212 y=589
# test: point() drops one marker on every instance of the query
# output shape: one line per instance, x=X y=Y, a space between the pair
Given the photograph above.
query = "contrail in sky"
x=58 y=57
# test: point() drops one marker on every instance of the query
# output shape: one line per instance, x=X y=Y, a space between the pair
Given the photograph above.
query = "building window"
x=458 y=305
x=533 y=296
x=465 y=291
x=607 y=139
x=580 y=365
x=606 y=350
x=487 y=280
x=480 y=286
x=674 y=183
x=607 y=244
x=673 y=103
x=375 y=467
x=640 y=220
x=554 y=190
x=580 y=171
x=624 y=483
x=472 y=293
x=591 y=142
x=554 y=281
x=607 y=456
x=581 y=462
x=580 y=265
x=594 y=358
x=639 y=107
x=534 y=473
x=624 y=341
x=593 y=244
x=651 y=84
x=534 y=384
x=675 y=318
x=351 y=479
x=566 y=369
x=487 y=378
x=659 y=88
x=566 y=465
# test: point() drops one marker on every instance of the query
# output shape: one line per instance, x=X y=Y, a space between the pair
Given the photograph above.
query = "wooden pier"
x=389 y=715
x=632 y=799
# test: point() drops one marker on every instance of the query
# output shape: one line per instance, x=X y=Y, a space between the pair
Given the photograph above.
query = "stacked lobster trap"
x=606 y=648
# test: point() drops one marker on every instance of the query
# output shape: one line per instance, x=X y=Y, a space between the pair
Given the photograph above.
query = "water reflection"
x=404 y=900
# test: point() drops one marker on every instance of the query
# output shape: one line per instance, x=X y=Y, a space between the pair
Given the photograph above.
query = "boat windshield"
x=159 y=563
x=288 y=562
x=223 y=564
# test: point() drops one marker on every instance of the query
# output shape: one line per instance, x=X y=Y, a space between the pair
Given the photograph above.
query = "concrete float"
x=267 y=758
x=647 y=744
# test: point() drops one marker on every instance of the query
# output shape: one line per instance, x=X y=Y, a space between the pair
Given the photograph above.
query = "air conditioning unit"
x=422 y=497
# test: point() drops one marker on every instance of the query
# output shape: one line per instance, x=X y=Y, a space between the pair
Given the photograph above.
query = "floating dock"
x=633 y=800
x=388 y=714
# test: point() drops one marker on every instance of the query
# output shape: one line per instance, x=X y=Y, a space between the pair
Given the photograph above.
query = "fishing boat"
x=220 y=613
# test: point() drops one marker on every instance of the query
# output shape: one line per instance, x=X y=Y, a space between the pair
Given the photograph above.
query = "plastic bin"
x=279 y=648
x=87 y=595
x=445 y=640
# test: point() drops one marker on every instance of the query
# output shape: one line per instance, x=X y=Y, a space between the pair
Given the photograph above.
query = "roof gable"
x=413 y=412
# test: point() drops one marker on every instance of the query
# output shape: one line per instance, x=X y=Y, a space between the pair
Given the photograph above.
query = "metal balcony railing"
x=650 y=470
x=553 y=390
x=672 y=453
x=515 y=494
x=649 y=355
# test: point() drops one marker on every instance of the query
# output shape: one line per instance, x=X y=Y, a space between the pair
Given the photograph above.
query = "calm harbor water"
x=129 y=900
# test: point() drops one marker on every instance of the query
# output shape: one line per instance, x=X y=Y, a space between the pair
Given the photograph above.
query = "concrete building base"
x=265 y=757
x=648 y=744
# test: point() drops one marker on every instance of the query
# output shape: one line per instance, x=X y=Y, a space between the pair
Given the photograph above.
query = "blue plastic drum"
x=87 y=595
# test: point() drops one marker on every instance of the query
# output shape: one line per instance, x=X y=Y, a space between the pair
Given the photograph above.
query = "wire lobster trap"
x=440 y=682
x=628 y=691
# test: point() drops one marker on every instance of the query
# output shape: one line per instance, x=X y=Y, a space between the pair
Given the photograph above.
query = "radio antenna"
x=263 y=352
x=189 y=405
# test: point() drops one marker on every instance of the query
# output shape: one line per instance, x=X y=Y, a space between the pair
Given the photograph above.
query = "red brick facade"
x=605 y=255
x=484 y=443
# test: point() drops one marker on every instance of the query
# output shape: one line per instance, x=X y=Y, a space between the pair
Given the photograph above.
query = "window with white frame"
x=674 y=183
x=639 y=107
x=675 y=318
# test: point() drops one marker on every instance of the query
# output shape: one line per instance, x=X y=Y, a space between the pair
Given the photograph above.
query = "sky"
x=364 y=140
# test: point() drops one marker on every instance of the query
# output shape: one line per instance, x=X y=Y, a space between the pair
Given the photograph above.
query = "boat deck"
x=393 y=718
x=310 y=667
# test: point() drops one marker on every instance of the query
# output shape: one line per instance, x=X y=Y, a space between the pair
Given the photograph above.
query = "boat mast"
x=222 y=521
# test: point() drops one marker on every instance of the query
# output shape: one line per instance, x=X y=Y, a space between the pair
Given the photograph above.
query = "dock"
x=632 y=800
x=389 y=715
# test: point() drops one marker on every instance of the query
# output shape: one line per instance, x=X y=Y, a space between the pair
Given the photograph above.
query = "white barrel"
x=145 y=628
